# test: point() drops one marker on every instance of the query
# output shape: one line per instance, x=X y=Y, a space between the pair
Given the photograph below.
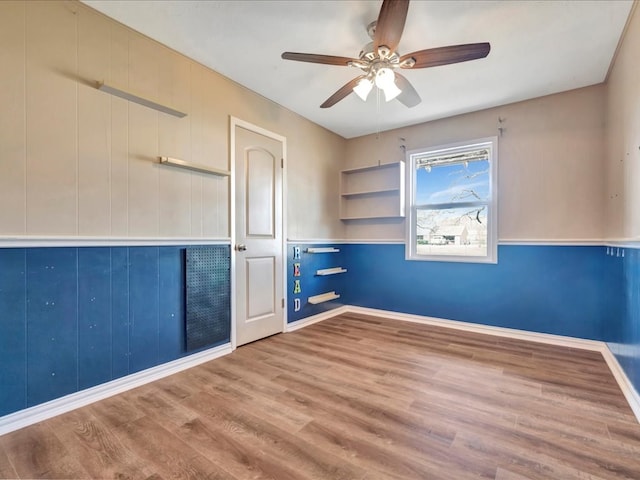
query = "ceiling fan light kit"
x=385 y=81
x=379 y=59
x=363 y=88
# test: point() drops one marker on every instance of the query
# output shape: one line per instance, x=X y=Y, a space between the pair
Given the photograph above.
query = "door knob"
x=241 y=247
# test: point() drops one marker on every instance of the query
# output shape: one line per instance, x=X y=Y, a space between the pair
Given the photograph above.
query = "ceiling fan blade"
x=432 y=57
x=409 y=97
x=341 y=93
x=314 y=58
x=390 y=24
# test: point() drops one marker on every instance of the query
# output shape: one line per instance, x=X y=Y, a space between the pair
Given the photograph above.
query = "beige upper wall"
x=550 y=164
x=622 y=195
x=75 y=161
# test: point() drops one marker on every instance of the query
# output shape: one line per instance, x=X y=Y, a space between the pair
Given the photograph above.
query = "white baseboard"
x=548 y=338
x=630 y=393
x=305 y=322
x=628 y=390
x=29 y=416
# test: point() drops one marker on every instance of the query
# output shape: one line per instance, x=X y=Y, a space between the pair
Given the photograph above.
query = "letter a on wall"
x=296 y=286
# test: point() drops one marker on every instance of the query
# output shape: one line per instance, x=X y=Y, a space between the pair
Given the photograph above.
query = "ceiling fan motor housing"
x=368 y=54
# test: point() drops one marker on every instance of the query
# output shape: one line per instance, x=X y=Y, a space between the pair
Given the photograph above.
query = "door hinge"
x=282 y=163
x=283 y=303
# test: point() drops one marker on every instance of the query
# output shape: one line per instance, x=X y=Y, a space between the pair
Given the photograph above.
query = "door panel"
x=259 y=263
x=260 y=275
x=260 y=172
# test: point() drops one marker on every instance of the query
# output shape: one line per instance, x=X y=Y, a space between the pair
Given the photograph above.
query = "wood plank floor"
x=353 y=397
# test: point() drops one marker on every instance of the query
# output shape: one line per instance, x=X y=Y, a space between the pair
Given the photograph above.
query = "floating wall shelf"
x=174 y=162
x=322 y=250
x=325 y=297
x=139 y=100
x=331 y=271
x=371 y=193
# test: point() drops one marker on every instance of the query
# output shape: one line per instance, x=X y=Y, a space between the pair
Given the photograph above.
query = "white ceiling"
x=537 y=48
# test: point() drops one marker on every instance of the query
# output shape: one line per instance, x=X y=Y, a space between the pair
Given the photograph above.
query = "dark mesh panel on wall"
x=208 y=292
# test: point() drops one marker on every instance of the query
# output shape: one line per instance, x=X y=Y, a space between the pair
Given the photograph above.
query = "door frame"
x=235 y=122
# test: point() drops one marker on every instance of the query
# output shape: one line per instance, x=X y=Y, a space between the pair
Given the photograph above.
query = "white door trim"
x=233 y=123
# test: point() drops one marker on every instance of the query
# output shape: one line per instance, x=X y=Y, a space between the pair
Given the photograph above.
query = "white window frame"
x=492 y=205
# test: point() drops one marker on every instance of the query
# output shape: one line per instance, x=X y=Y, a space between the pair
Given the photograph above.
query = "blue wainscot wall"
x=73 y=318
x=626 y=345
x=311 y=284
x=564 y=290
x=588 y=292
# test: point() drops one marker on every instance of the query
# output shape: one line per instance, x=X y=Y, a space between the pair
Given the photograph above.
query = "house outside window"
x=451 y=202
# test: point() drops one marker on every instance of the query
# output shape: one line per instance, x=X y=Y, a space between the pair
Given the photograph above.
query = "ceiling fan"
x=380 y=60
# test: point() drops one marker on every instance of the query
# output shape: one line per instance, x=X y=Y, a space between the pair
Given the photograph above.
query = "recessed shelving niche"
x=372 y=192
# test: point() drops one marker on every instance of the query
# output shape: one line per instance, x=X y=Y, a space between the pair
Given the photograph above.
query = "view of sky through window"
x=452 y=205
x=452 y=183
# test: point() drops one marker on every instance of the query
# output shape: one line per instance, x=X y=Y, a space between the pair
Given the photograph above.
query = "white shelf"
x=371 y=167
x=322 y=250
x=132 y=97
x=371 y=192
x=374 y=192
x=373 y=217
x=330 y=271
x=174 y=162
x=324 y=297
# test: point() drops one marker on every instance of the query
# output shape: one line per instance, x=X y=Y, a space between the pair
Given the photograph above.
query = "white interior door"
x=258 y=235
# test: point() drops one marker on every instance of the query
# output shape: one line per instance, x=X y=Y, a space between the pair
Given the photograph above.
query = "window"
x=451 y=202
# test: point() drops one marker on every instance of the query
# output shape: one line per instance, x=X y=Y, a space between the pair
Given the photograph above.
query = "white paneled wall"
x=76 y=161
x=12 y=119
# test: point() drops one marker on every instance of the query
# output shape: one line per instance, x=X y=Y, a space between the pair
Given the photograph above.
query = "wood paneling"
x=13 y=341
x=197 y=147
x=143 y=308
x=174 y=141
x=356 y=397
x=12 y=123
x=74 y=318
x=143 y=172
x=118 y=74
x=94 y=126
x=51 y=324
x=87 y=166
x=75 y=161
x=51 y=118
x=94 y=317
